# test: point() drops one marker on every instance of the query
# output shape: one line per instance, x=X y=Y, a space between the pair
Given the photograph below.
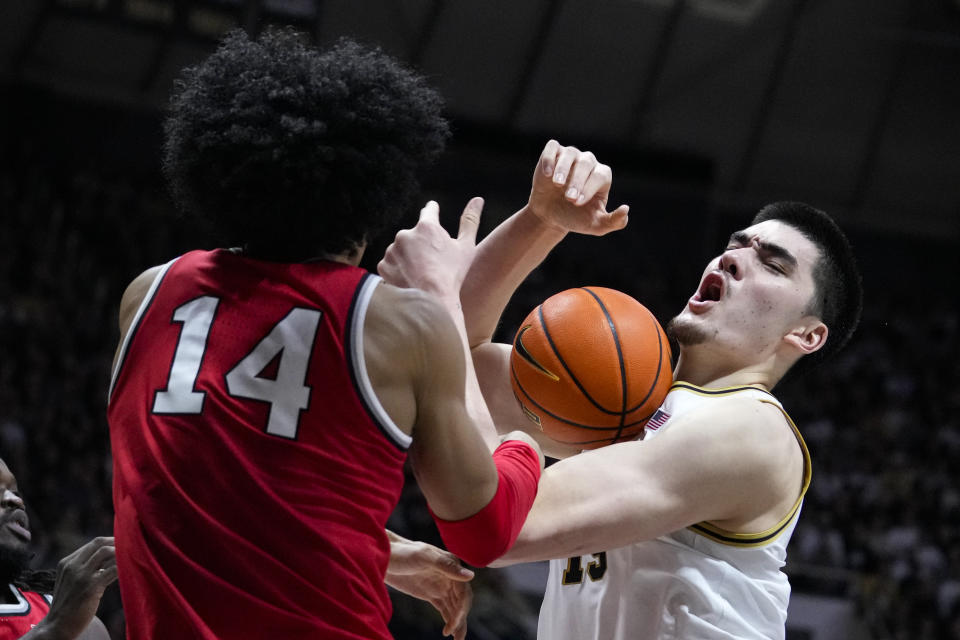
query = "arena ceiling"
x=852 y=105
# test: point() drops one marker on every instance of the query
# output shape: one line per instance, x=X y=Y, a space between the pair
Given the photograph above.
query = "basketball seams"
x=578 y=337
x=516 y=378
x=563 y=363
x=623 y=371
x=656 y=378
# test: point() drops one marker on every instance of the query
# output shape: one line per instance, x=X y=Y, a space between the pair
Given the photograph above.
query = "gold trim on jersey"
x=722 y=391
x=760 y=538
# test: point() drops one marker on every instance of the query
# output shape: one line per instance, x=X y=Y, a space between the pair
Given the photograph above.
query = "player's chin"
x=687 y=329
x=13 y=547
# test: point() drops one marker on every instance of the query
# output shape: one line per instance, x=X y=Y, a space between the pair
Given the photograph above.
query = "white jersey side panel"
x=696 y=583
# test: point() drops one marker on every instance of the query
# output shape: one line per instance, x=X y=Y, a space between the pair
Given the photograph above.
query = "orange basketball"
x=590 y=366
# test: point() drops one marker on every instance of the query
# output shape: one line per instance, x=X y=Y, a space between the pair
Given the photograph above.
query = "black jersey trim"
x=353 y=343
x=19 y=608
x=743 y=539
x=718 y=392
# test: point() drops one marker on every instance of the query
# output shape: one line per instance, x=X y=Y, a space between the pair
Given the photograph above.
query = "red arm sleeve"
x=489 y=533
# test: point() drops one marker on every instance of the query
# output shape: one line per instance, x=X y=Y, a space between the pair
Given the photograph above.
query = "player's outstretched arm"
x=81 y=579
x=569 y=193
x=425 y=572
x=738 y=467
x=419 y=365
x=428 y=259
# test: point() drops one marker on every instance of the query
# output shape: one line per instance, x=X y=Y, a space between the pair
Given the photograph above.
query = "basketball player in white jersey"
x=680 y=534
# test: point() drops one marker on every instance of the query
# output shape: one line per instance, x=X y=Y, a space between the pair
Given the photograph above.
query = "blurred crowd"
x=883 y=511
x=881 y=524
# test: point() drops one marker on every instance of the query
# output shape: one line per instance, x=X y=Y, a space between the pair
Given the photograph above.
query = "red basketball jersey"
x=18 y=618
x=254 y=468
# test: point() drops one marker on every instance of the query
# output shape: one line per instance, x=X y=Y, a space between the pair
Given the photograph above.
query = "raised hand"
x=570 y=192
x=426 y=257
x=82 y=577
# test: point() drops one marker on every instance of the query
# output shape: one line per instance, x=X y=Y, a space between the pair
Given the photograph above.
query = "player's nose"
x=10 y=500
x=732 y=262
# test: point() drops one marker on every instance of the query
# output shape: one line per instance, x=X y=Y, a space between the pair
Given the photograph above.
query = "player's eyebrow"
x=741 y=238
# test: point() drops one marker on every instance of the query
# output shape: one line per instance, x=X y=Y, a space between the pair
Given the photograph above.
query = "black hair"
x=38 y=580
x=291 y=151
x=838 y=291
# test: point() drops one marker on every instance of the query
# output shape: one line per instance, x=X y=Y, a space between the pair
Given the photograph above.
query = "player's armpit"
x=737 y=465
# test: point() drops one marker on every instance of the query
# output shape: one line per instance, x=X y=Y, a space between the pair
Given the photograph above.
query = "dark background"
x=705 y=110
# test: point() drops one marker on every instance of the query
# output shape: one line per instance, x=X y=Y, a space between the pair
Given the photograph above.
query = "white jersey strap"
x=358 y=364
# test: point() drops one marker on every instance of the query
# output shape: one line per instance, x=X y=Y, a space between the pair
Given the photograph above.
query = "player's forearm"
x=591 y=502
x=43 y=631
x=485 y=535
x=475 y=404
x=503 y=261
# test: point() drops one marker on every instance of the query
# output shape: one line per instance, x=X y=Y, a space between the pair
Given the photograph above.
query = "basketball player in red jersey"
x=25 y=611
x=264 y=398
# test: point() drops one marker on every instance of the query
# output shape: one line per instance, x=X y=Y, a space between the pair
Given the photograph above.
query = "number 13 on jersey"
x=290 y=341
x=596 y=569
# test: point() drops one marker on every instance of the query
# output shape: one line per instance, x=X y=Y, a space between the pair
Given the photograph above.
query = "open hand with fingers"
x=423 y=571
x=427 y=258
x=82 y=578
x=570 y=192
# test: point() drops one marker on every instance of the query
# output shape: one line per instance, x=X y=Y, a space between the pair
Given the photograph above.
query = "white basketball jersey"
x=697 y=583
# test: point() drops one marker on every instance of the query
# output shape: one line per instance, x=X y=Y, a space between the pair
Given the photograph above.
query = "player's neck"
x=351 y=257
x=704 y=370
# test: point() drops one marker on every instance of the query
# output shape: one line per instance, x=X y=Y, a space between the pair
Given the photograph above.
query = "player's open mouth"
x=711 y=290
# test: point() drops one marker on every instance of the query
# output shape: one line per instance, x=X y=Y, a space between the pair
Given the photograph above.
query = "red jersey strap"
x=489 y=533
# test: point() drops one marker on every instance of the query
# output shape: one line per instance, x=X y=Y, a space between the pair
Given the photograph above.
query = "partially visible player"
x=34 y=606
x=682 y=534
x=265 y=397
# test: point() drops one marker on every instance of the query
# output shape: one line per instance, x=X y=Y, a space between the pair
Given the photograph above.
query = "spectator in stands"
x=25 y=610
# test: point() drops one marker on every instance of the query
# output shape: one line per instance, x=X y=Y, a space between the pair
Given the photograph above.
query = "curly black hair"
x=291 y=152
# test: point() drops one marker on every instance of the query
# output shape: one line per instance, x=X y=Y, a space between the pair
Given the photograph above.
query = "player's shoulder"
x=738 y=414
x=135 y=292
x=412 y=326
x=143 y=281
x=408 y=306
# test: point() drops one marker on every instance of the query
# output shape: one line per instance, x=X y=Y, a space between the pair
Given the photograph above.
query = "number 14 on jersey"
x=289 y=341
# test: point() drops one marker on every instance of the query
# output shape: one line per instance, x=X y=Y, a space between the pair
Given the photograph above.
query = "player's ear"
x=808 y=337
